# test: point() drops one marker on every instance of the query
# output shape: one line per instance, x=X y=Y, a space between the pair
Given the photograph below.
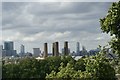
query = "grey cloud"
x=12 y=6
x=73 y=21
x=71 y=8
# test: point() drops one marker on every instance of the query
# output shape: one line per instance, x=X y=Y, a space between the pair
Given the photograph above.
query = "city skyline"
x=9 y=45
x=37 y=23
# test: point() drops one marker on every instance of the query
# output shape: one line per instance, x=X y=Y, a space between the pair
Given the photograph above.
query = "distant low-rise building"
x=36 y=52
x=28 y=54
x=93 y=51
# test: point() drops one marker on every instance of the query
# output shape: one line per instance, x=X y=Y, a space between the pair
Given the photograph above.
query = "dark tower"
x=45 y=50
x=53 y=48
x=66 y=48
x=56 y=48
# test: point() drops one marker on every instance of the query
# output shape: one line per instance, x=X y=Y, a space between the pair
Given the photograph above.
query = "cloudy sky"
x=35 y=23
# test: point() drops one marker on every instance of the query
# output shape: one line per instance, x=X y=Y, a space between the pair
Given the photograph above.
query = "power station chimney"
x=45 y=50
x=56 y=48
x=66 y=48
x=53 y=49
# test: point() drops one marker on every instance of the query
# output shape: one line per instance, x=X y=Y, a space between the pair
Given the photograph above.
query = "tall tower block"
x=53 y=48
x=56 y=49
x=66 y=48
x=45 y=50
x=77 y=47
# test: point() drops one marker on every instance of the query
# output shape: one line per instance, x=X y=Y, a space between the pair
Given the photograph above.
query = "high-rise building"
x=77 y=47
x=36 y=52
x=84 y=51
x=8 y=45
x=22 y=50
x=1 y=48
x=8 y=49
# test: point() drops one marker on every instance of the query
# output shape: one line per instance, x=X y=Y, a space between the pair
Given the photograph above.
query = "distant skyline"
x=34 y=23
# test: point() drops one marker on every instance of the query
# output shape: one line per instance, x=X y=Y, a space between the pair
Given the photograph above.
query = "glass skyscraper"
x=77 y=47
x=8 y=45
x=8 y=49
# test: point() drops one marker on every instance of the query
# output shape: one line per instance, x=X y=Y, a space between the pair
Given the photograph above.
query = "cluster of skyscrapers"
x=8 y=50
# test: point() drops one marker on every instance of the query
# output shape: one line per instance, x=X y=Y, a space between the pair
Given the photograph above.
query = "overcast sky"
x=35 y=23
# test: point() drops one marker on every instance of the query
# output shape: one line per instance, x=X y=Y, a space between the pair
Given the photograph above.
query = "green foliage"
x=53 y=63
x=32 y=68
x=67 y=59
x=79 y=65
x=115 y=45
x=99 y=67
x=6 y=72
x=66 y=72
x=95 y=68
x=118 y=69
x=111 y=24
x=83 y=76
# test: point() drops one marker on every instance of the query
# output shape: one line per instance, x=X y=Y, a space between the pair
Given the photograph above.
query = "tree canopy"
x=111 y=24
